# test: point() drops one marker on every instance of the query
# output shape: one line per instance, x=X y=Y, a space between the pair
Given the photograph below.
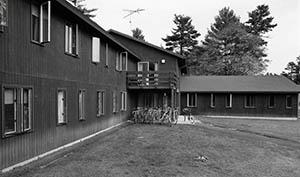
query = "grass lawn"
x=158 y=150
x=282 y=129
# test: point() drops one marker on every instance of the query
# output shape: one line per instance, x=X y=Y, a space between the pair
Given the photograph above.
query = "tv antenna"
x=132 y=12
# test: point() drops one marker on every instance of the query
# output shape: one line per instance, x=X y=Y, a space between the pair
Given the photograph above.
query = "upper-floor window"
x=212 y=100
x=121 y=61
x=17 y=110
x=250 y=101
x=71 y=39
x=41 y=22
x=191 y=99
x=288 y=101
x=106 y=54
x=3 y=14
x=228 y=100
x=114 y=102
x=96 y=49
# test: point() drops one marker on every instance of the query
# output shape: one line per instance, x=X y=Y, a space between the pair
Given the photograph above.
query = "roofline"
x=243 y=91
x=93 y=24
x=145 y=43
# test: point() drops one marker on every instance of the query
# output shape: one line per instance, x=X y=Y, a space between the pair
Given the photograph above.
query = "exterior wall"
x=46 y=69
x=238 y=105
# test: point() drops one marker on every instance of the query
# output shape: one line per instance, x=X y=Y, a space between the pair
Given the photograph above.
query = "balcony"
x=151 y=80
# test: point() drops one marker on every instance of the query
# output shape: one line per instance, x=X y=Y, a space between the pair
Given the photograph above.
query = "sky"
x=157 y=21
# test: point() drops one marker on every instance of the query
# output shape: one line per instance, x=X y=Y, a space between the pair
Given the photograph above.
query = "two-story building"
x=62 y=78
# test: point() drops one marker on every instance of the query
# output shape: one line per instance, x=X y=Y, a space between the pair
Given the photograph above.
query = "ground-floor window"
x=114 y=102
x=212 y=100
x=123 y=101
x=17 y=110
x=81 y=104
x=288 y=101
x=228 y=100
x=271 y=101
x=101 y=106
x=61 y=106
x=191 y=99
x=250 y=101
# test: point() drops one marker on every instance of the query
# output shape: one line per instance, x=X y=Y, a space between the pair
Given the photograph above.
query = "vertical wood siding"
x=47 y=68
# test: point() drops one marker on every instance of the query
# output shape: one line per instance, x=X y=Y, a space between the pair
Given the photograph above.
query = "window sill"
x=37 y=43
x=61 y=124
x=100 y=115
x=191 y=106
x=228 y=107
x=213 y=107
x=247 y=107
x=288 y=108
x=16 y=134
x=271 y=107
x=82 y=119
x=72 y=55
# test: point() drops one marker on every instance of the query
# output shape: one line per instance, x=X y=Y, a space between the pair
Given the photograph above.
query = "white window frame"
x=18 y=102
x=64 y=108
x=269 y=101
x=106 y=54
x=96 y=50
x=100 y=99
x=68 y=39
x=120 y=61
x=114 y=102
x=5 y=11
x=230 y=101
x=212 y=100
x=81 y=105
x=253 y=99
x=188 y=99
x=123 y=101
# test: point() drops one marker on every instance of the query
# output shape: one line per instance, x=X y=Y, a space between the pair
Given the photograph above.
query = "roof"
x=93 y=24
x=237 y=84
x=111 y=31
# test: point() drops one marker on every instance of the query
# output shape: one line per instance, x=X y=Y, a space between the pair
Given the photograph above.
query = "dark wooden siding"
x=238 y=105
x=47 y=68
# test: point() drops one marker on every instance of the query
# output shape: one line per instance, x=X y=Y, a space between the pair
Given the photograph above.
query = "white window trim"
x=254 y=101
x=123 y=101
x=188 y=100
x=42 y=22
x=65 y=107
x=106 y=54
x=82 y=106
x=230 y=101
x=269 y=101
x=68 y=39
x=96 y=54
x=100 y=96
x=15 y=93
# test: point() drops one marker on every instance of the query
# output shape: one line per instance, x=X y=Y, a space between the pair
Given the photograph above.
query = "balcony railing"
x=151 y=80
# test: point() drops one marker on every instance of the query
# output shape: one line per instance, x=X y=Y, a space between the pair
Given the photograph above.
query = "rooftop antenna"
x=131 y=12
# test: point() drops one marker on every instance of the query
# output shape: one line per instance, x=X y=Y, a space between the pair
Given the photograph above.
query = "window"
x=212 y=100
x=121 y=61
x=106 y=54
x=61 y=107
x=228 y=100
x=3 y=14
x=71 y=39
x=114 y=101
x=81 y=104
x=100 y=103
x=250 y=101
x=271 y=101
x=96 y=49
x=17 y=110
x=123 y=101
x=41 y=22
x=288 y=101
x=191 y=99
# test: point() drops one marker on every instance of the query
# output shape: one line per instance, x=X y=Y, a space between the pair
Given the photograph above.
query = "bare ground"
x=158 y=150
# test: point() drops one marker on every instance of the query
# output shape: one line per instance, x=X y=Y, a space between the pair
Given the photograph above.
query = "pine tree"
x=184 y=36
x=293 y=71
x=138 y=34
x=260 y=21
x=230 y=49
x=82 y=7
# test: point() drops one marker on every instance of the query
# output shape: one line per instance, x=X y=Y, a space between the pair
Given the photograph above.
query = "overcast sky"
x=157 y=21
